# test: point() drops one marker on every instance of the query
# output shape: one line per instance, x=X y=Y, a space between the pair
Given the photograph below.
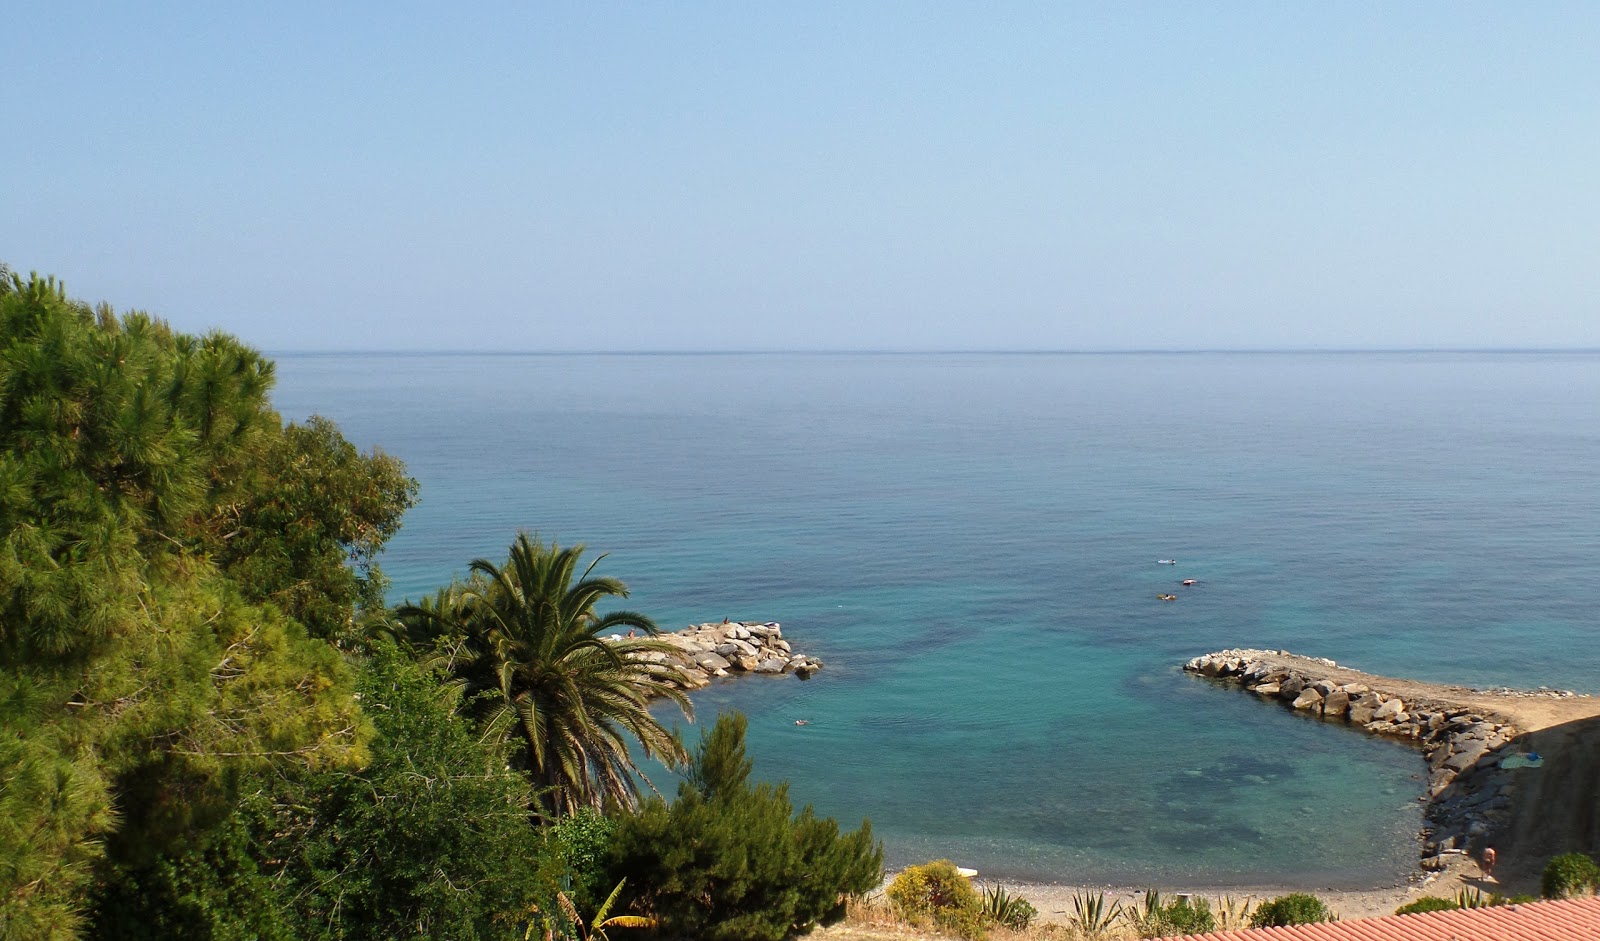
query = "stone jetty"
x=706 y=651
x=1472 y=747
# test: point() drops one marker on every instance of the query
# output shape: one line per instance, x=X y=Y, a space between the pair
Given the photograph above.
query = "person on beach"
x=1489 y=856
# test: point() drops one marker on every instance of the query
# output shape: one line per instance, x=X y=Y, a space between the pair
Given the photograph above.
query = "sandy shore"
x=1054 y=902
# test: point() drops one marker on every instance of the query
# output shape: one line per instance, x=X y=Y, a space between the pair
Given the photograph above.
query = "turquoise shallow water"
x=970 y=543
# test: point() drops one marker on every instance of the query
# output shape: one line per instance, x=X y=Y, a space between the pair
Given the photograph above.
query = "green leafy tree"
x=535 y=661
x=305 y=534
x=140 y=673
x=728 y=860
x=432 y=839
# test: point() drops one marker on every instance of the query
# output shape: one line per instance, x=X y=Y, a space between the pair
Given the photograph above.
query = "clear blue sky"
x=856 y=175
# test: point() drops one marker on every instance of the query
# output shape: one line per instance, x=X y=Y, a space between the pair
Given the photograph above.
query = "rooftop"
x=1564 y=920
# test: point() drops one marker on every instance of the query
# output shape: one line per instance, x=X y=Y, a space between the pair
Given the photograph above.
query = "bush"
x=572 y=858
x=728 y=862
x=1295 y=909
x=1428 y=903
x=1570 y=874
x=937 y=892
x=1177 y=917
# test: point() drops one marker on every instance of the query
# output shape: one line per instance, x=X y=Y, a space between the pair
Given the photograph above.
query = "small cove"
x=969 y=541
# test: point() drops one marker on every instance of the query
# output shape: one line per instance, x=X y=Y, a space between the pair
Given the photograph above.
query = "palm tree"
x=527 y=643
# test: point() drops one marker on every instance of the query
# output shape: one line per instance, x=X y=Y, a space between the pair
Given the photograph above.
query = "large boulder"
x=1336 y=703
x=711 y=662
x=1290 y=688
x=773 y=665
x=1364 y=707
x=734 y=647
x=1389 y=709
x=1467 y=757
x=1309 y=700
x=694 y=679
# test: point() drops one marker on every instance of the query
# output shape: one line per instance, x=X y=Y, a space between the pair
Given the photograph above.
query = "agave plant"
x=1090 y=916
x=1231 y=915
x=1472 y=898
x=1003 y=908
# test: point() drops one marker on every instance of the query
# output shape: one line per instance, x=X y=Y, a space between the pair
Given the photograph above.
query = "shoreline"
x=1055 y=901
x=1475 y=797
x=1518 y=770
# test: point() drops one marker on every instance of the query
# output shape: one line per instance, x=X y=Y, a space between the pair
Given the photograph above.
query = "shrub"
x=1178 y=917
x=572 y=858
x=1428 y=903
x=1009 y=911
x=937 y=892
x=1570 y=874
x=1297 y=908
x=728 y=861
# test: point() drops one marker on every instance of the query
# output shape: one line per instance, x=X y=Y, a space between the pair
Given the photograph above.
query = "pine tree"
x=730 y=861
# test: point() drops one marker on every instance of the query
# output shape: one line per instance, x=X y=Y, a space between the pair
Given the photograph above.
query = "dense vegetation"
x=1296 y=908
x=1570 y=874
x=730 y=860
x=211 y=727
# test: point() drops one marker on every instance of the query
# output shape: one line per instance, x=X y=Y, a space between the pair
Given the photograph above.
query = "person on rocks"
x=1488 y=860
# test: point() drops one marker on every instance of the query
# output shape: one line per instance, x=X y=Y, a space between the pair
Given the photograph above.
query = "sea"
x=971 y=542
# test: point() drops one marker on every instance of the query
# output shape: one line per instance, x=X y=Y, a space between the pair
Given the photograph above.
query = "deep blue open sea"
x=970 y=542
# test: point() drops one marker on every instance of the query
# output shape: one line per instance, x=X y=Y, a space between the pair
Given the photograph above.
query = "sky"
x=549 y=176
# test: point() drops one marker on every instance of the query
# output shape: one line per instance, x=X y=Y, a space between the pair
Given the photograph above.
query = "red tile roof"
x=1566 y=920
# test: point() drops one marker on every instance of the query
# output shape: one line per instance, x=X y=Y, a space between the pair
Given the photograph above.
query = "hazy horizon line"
x=1132 y=351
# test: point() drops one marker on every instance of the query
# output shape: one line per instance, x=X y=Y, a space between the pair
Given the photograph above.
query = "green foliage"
x=1473 y=898
x=305 y=533
x=526 y=641
x=1010 y=911
x=1157 y=919
x=431 y=839
x=1297 y=908
x=1570 y=874
x=1428 y=903
x=732 y=861
x=141 y=669
x=572 y=859
x=565 y=922
x=936 y=892
x=1091 y=917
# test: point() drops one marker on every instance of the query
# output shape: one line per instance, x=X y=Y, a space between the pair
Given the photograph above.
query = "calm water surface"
x=969 y=541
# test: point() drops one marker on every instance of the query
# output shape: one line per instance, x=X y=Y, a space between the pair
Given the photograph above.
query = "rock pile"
x=1463 y=746
x=705 y=651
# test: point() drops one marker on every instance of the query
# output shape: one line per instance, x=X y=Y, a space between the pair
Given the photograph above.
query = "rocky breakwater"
x=1469 y=792
x=703 y=652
